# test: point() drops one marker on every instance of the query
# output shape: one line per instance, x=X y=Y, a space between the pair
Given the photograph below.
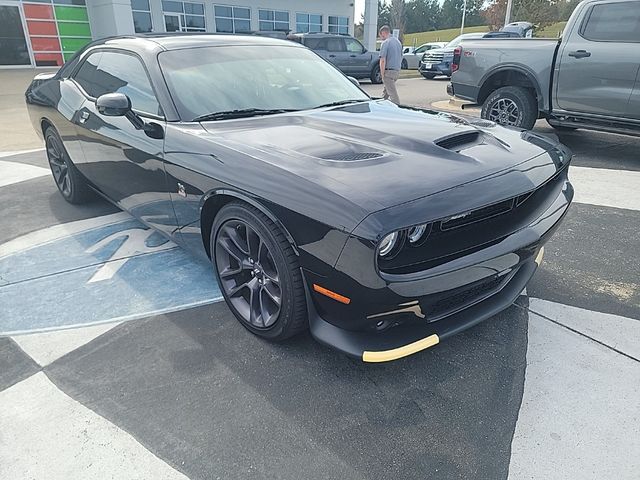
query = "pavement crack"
x=578 y=332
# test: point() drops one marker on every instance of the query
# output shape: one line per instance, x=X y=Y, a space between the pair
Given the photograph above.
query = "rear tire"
x=71 y=184
x=258 y=272
x=404 y=65
x=511 y=106
x=375 y=75
x=428 y=76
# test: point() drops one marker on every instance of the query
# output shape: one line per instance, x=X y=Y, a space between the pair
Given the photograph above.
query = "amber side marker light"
x=336 y=296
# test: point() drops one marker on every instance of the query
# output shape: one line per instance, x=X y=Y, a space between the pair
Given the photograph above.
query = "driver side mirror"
x=119 y=105
x=113 y=104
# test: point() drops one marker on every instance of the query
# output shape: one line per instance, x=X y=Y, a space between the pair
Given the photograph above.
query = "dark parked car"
x=345 y=52
x=384 y=229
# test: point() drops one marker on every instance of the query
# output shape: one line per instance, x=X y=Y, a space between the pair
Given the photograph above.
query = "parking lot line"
x=605 y=187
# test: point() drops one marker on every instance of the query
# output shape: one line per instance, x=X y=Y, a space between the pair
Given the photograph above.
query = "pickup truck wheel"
x=429 y=76
x=512 y=106
x=375 y=75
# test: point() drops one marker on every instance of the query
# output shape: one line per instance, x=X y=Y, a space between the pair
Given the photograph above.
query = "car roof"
x=168 y=41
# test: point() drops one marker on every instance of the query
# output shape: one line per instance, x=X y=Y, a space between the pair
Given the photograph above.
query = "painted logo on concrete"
x=109 y=268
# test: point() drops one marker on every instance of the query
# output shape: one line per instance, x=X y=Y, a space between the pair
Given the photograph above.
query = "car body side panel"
x=601 y=83
x=318 y=220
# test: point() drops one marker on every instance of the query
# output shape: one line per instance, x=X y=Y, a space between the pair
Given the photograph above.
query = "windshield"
x=208 y=80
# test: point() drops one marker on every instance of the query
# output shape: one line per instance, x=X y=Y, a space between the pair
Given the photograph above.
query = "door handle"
x=331 y=56
x=84 y=116
x=580 y=54
x=353 y=56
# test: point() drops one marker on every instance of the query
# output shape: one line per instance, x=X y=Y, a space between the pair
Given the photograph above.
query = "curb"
x=455 y=105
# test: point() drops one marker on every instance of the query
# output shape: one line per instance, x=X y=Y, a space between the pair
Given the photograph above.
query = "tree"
x=421 y=15
x=384 y=14
x=539 y=12
x=398 y=16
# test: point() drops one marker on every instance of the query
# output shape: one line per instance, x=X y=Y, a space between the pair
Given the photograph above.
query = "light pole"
x=507 y=17
x=464 y=13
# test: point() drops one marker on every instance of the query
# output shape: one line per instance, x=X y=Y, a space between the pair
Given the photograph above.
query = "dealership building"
x=48 y=32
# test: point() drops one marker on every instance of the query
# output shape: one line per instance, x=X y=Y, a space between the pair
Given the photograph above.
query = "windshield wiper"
x=341 y=102
x=241 y=113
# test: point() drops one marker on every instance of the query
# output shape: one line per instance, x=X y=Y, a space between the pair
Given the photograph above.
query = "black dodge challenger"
x=383 y=229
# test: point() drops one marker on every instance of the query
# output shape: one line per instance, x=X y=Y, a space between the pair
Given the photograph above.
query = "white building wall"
x=113 y=17
x=109 y=17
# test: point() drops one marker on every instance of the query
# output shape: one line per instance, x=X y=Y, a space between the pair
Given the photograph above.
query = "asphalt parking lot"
x=117 y=359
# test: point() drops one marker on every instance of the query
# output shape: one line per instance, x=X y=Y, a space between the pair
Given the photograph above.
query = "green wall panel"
x=69 y=29
x=71 y=13
x=67 y=56
x=73 y=44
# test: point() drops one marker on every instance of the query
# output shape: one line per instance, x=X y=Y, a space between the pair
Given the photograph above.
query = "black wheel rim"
x=248 y=274
x=505 y=112
x=378 y=76
x=59 y=165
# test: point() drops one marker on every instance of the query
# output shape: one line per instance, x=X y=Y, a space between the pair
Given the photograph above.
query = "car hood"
x=376 y=154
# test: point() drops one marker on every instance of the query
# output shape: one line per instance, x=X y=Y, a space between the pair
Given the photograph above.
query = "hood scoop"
x=459 y=141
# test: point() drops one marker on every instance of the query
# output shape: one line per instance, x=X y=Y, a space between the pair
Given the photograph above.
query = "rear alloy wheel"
x=511 y=106
x=404 y=65
x=375 y=75
x=258 y=272
x=69 y=181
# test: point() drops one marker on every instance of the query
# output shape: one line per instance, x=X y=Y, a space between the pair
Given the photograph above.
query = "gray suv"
x=345 y=52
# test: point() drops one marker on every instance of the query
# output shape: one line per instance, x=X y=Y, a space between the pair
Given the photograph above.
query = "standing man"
x=390 y=63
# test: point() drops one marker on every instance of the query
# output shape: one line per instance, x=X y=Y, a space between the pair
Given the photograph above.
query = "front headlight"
x=416 y=233
x=387 y=244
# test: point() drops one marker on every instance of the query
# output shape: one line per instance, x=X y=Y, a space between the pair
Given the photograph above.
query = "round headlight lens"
x=415 y=233
x=387 y=244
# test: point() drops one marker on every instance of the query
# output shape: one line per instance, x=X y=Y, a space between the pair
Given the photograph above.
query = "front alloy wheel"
x=258 y=272
x=248 y=273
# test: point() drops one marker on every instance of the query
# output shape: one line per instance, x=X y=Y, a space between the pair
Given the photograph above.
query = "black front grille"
x=478 y=215
x=466 y=296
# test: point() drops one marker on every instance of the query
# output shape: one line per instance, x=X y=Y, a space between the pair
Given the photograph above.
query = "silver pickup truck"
x=589 y=78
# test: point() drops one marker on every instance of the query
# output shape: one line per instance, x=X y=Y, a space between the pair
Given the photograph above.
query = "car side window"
x=315 y=43
x=613 y=22
x=124 y=73
x=422 y=49
x=353 y=46
x=110 y=72
x=86 y=76
x=335 y=45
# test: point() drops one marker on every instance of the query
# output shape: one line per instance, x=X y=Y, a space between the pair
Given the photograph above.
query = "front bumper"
x=443 y=68
x=480 y=286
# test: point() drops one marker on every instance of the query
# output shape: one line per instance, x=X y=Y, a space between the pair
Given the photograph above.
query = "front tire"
x=258 y=272
x=428 y=76
x=70 y=182
x=511 y=106
x=375 y=75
